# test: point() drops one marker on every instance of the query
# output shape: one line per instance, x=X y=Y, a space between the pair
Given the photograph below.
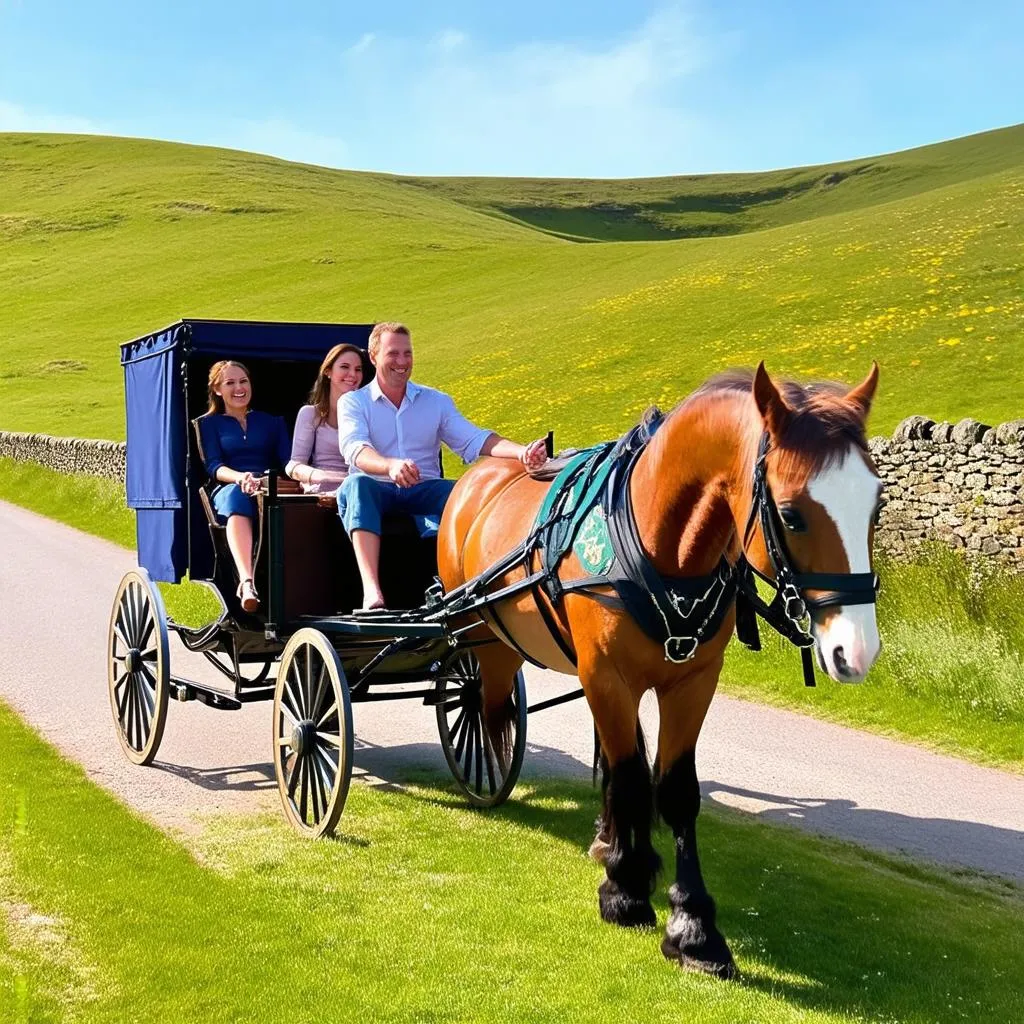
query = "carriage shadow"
x=237 y=778
x=394 y=767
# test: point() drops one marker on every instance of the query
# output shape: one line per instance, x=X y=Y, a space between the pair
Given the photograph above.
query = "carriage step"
x=185 y=690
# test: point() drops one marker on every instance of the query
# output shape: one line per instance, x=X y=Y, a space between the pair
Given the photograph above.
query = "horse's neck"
x=692 y=482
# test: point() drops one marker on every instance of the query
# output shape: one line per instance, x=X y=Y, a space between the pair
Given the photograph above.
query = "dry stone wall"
x=962 y=484
x=66 y=454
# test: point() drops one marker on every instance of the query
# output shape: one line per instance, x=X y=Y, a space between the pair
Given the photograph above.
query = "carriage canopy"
x=165 y=377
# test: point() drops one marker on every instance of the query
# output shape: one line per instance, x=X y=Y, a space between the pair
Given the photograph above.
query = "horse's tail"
x=500 y=728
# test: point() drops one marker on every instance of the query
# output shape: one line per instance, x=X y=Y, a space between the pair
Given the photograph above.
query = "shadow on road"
x=240 y=778
x=968 y=844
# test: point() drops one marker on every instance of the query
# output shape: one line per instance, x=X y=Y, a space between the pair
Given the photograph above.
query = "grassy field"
x=951 y=675
x=424 y=910
x=914 y=260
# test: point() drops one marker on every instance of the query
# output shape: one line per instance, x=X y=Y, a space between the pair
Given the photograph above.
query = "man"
x=389 y=433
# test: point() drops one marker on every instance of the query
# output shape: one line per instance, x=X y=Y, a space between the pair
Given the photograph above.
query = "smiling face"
x=828 y=525
x=234 y=389
x=393 y=360
x=345 y=374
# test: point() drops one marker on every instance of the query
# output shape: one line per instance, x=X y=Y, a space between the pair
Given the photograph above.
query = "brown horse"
x=691 y=490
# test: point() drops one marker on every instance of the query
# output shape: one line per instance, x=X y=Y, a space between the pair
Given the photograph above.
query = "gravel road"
x=56 y=588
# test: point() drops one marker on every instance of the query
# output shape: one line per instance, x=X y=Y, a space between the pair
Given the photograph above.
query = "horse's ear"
x=861 y=396
x=770 y=403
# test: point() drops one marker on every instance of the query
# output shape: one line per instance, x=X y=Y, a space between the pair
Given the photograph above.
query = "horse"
x=739 y=444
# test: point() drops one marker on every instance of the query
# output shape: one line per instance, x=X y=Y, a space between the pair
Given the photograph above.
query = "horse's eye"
x=792 y=520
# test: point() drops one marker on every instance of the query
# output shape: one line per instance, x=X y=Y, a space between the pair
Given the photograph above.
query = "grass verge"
x=951 y=675
x=425 y=910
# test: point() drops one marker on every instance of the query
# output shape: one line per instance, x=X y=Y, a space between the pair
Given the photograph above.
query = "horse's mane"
x=822 y=428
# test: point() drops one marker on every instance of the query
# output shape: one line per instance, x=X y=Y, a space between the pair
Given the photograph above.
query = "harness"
x=678 y=613
x=789 y=611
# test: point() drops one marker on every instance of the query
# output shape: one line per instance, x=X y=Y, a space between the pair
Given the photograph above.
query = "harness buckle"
x=680 y=649
x=793 y=604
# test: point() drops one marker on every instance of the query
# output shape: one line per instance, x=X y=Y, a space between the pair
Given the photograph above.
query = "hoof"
x=697 y=948
x=725 y=971
x=626 y=911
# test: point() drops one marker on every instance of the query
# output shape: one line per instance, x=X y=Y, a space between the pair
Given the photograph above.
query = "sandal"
x=248 y=596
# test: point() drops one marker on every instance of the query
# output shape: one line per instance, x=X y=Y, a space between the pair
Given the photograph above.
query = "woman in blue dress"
x=239 y=446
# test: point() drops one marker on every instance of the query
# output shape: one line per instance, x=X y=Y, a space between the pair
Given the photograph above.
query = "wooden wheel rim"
x=138 y=666
x=312 y=734
x=467 y=745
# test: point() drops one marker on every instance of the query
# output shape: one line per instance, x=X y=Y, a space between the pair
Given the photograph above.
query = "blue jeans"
x=363 y=501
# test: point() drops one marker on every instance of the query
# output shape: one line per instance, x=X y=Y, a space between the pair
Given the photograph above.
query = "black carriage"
x=327 y=655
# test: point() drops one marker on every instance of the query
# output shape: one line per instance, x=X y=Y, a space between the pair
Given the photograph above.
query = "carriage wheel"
x=138 y=666
x=484 y=774
x=313 y=741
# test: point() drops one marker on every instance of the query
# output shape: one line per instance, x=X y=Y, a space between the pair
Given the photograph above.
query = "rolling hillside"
x=914 y=259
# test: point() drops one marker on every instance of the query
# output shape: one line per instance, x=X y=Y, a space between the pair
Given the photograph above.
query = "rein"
x=790 y=609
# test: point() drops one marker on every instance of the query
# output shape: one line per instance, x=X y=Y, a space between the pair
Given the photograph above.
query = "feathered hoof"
x=626 y=911
x=727 y=971
x=695 y=949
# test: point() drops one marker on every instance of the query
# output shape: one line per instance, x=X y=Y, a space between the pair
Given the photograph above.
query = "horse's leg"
x=630 y=860
x=691 y=935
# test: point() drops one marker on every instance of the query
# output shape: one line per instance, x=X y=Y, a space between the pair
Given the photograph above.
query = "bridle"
x=790 y=610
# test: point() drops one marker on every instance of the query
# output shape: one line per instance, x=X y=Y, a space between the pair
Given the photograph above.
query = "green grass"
x=914 y=261
x=951 y=674
x=424 y=910
x=721 y=204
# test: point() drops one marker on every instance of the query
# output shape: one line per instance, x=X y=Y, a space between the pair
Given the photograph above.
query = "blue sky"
x=522 y=87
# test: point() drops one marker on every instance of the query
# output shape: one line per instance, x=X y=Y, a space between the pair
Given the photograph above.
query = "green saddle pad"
x=571 y=514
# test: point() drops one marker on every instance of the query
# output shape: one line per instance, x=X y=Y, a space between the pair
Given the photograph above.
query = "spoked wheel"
x=138 y=666
x=486 y=773
x=313 y=741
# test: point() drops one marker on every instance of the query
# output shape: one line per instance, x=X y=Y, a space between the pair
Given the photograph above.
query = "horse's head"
x=826 y=493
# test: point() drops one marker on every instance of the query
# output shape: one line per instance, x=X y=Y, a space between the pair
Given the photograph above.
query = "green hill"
x=726 y=204
x=913 y=259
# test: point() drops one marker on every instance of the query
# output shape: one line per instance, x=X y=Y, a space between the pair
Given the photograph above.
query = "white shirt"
x=426 y=418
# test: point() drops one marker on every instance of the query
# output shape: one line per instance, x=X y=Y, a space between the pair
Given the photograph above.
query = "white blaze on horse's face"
x=847 y=640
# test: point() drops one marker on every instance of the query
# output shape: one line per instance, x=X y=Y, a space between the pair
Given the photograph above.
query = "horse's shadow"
x=968 y=847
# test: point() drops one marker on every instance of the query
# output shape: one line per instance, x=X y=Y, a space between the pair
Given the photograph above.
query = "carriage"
x=327 y=654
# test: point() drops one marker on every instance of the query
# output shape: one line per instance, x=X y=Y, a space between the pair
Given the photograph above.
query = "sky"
x=567 y=88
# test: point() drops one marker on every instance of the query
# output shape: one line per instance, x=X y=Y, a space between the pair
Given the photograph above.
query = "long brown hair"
x=320 y=393
x=216 y=372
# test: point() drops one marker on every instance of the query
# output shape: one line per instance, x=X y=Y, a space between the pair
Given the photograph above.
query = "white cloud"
x=15 y=118
x=450 y=40
x=541 y=108
x=364 y=42
x=282 y=138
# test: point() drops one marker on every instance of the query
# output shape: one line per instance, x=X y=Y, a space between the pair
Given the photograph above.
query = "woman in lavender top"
x=316 y=460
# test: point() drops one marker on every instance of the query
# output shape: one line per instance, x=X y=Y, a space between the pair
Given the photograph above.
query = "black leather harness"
x=679 y=613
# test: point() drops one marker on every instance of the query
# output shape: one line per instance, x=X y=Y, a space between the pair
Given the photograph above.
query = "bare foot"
x=373 y=599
